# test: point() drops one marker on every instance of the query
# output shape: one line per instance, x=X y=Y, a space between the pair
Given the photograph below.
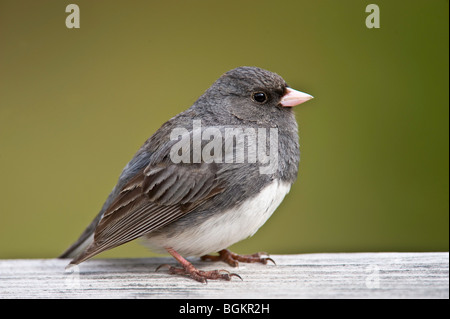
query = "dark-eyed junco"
x=208 y=178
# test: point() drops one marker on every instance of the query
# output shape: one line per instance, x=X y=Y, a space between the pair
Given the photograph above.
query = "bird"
x=203 y=181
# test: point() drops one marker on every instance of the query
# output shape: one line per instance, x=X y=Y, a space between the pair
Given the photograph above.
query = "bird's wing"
x=158 y=195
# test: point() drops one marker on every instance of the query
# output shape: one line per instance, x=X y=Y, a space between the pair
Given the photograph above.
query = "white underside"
x=220 y=232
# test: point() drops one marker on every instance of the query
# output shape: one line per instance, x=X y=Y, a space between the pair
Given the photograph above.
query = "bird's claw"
x=233 y=259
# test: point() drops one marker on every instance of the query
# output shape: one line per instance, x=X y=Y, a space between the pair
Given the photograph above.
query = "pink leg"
x=190 y=271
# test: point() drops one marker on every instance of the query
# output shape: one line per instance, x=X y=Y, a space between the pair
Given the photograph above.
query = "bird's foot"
x=190 y=271
x=200 y=275
x=233 y=259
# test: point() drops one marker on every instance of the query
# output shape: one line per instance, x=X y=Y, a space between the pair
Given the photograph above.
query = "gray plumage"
x=156 y=196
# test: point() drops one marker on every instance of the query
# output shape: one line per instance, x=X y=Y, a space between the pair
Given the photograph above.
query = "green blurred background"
x=75 y=105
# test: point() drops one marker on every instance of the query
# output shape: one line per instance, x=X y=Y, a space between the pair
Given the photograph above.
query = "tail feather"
x=77 y=248
x=83 y=242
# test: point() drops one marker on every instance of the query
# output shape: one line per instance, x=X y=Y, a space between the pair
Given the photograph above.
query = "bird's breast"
x=221 y=229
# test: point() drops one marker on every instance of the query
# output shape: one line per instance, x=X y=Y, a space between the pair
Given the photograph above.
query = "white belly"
x=220 y=232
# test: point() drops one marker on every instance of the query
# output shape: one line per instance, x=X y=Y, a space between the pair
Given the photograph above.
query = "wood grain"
x=341 y=275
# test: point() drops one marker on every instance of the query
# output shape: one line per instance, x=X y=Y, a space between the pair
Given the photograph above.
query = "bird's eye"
x=259 y=97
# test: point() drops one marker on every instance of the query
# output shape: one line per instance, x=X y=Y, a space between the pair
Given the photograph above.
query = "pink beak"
x=294 y=97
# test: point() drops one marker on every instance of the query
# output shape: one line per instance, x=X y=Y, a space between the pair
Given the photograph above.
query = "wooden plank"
x=344 y=275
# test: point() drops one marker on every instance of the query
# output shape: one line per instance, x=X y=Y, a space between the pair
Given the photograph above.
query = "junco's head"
x=252 y=93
